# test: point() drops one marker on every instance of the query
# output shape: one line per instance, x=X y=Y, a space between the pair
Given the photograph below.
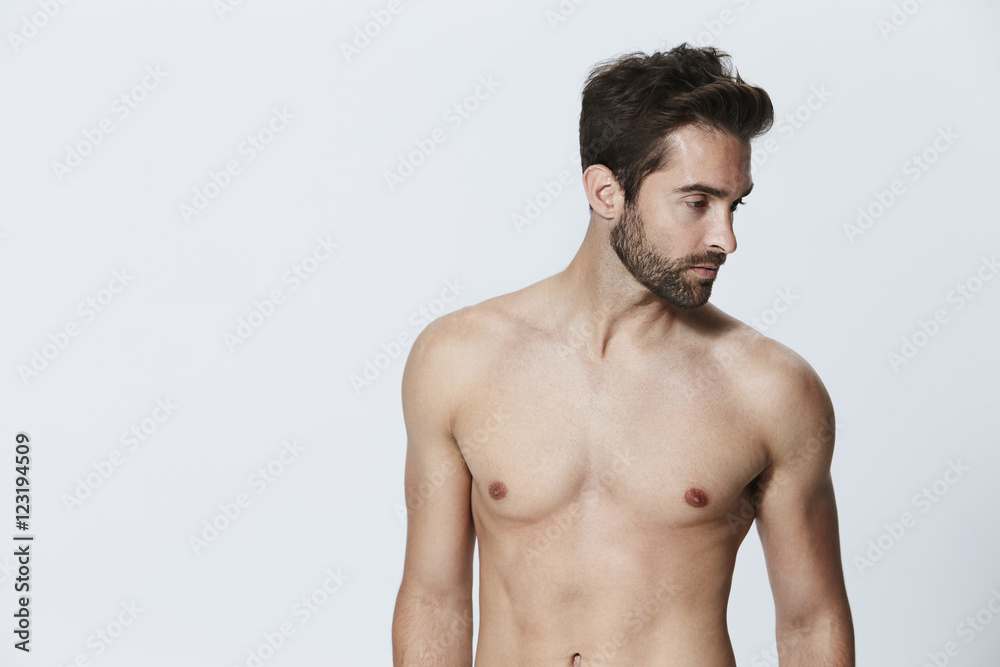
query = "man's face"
x=681 y=227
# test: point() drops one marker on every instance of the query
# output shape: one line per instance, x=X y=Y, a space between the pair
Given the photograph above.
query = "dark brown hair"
x=633 y=102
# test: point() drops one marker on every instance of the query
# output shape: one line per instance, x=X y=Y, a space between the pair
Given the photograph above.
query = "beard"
x=667 y=278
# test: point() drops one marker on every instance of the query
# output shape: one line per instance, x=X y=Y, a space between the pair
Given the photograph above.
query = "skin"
x=609 y=437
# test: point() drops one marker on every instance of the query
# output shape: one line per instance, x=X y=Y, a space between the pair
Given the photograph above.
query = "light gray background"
x=337 y=506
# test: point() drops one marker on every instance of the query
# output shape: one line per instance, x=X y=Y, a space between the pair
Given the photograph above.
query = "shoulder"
x=781 y=379
x=485 y=328
x=451 y=354
x=785 y=396
x=762 y=366
x=447 y=343
x=798 y=421
x=463 y=334
x=787 y=387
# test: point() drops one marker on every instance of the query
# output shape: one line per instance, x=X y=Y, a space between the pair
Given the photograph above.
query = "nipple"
x=696 y=497
x=576 y=660
x=497 y=490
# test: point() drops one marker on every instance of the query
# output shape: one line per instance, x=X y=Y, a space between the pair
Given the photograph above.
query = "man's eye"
x=735 y=204
x=701 y=203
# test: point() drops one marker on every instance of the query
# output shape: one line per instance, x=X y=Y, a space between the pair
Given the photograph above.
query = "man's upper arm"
x=440 y=535
x=796 y=509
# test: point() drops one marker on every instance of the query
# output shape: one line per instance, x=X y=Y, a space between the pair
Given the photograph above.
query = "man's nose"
x=721 y=236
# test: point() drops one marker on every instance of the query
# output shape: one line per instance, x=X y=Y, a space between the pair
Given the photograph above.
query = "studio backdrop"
x=224 y=222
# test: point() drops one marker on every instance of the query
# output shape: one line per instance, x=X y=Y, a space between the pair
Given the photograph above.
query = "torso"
x=610 y=495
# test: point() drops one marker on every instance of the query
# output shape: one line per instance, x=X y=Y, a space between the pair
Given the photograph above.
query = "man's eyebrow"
x=709 y=190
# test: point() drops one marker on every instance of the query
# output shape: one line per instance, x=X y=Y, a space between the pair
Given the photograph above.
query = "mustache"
x=715 y=259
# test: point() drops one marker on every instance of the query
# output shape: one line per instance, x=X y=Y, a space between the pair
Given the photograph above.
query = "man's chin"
x=689 y=305
x=697 y=295
x=688 y=302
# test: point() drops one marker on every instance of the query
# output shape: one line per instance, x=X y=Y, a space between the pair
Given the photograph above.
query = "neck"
x=602 y=304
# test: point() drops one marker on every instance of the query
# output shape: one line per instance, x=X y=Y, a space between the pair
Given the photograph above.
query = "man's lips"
x=705 y=271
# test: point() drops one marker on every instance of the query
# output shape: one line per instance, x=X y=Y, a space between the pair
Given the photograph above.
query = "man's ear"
x=603 y=192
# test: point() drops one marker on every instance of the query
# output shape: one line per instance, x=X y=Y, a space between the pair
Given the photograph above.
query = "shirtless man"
x=607 y=435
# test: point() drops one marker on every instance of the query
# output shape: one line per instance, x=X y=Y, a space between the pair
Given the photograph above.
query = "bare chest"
x=661 y=444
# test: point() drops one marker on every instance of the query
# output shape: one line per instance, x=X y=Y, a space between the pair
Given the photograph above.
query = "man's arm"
x=797 y=520
x=432 y=623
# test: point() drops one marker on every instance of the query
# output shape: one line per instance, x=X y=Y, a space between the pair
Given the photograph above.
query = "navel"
x=696 y=497
x=576 y=660
x=497 y=490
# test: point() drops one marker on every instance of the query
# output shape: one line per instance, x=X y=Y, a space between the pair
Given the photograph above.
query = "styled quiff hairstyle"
x=633 y=102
